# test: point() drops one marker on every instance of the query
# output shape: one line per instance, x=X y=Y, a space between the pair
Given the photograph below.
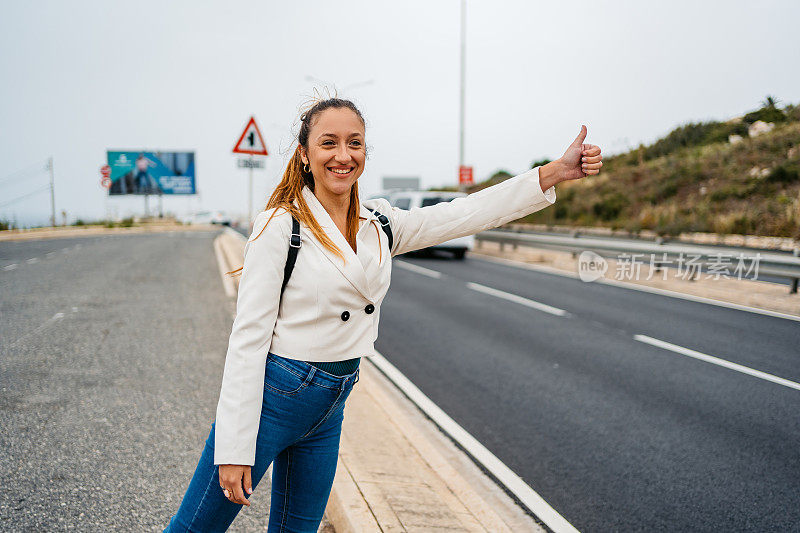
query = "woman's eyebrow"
x=354 y=134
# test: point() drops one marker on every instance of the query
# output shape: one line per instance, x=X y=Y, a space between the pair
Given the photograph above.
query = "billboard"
x=138 y=172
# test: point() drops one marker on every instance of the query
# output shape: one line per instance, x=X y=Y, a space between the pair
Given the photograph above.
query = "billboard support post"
x=146 y=206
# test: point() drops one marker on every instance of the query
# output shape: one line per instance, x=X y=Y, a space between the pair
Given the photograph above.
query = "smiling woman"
x=293 y=354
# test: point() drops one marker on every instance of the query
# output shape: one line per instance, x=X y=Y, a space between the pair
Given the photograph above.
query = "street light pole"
x=461 y=85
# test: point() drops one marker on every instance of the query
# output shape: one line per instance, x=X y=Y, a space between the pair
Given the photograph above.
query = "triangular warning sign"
x=251 y=141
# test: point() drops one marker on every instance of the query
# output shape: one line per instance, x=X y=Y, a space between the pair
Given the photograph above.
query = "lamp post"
x=461 y=89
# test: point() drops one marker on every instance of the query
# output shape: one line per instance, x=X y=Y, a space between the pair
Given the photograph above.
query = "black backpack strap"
x=384 y=220
x=294 y=246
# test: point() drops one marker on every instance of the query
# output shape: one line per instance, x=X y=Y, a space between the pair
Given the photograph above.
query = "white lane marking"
x=10 y=267
x=716 y=361
x=419 y=270
x=227 y=282
x=642 y=288
x=50 y=254
x=32 y=260
x=38 y=329
x=512 y=482
x=518 y=299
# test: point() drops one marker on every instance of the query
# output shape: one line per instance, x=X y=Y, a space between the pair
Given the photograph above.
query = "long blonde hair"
x=295 y=177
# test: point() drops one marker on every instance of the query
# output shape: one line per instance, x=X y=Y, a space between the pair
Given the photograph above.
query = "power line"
x=39 y=167
x=18 y=198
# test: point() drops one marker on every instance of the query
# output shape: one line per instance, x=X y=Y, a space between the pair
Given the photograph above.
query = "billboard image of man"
x=145 y=184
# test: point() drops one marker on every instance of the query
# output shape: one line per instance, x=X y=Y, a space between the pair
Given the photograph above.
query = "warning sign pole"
x=250 y=192
x=250 y=143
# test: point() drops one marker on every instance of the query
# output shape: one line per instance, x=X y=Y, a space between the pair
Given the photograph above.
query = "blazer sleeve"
x=242 y=393
x=489 y=208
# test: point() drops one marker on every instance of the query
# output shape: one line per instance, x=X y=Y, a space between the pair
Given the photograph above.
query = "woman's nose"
x=342 y=155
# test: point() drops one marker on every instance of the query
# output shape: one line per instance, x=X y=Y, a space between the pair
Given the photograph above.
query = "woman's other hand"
x=235 y=481
x=580 y=160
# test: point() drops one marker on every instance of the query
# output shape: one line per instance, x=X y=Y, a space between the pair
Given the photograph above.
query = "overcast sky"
x=81 y=77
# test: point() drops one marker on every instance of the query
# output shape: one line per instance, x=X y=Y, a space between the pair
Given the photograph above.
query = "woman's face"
x=335 y=151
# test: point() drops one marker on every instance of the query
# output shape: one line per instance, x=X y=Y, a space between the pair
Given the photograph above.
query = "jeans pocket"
x=278 y=378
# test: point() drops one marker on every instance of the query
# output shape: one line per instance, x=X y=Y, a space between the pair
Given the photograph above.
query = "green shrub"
x=126 y=222
x=610 y=207
x=784 y=173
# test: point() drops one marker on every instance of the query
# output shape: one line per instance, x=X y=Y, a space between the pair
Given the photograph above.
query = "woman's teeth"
x=341 y=171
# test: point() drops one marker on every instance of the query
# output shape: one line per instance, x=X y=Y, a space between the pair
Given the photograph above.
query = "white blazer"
x=308 y=322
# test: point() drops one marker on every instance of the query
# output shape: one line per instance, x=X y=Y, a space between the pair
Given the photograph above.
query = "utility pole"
x=461 y=85
x=52 y=193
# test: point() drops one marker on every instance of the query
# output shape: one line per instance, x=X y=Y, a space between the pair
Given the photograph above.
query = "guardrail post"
x=793 y=289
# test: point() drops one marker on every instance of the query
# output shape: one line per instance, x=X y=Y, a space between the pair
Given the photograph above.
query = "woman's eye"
x=327 y=143
x=356 y=143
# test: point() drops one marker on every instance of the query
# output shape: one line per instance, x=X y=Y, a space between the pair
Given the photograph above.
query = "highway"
x=112 y=349
x=567 y=384
x=111 y=358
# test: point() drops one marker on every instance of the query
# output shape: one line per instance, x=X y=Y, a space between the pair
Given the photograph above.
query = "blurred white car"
x=410 y=199
x=210 y=217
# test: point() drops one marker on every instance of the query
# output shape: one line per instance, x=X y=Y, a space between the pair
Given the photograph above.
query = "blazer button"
x=345 y=315
x=369 y=309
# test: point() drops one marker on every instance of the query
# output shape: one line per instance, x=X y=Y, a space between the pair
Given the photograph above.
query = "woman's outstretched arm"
x=493 y=206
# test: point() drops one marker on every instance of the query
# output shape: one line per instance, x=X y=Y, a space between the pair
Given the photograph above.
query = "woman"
x=294 y=352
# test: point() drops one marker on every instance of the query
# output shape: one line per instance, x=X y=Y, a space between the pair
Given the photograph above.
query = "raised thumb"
x=581 y=136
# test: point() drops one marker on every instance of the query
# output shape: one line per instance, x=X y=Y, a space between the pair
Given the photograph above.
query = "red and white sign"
x=251 y=142
x=105 y=182
x=105 y=171
x=464 y=175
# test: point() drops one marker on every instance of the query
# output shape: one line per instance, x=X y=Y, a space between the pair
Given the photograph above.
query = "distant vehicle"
x=210 y=217
x=410 y=199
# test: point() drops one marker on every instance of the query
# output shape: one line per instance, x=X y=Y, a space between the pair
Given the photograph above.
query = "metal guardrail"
x=768 y=263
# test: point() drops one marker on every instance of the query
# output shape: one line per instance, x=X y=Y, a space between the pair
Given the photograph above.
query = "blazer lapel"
x=352 y=268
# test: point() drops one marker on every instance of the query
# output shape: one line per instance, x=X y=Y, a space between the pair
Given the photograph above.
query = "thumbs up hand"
x=580 y=159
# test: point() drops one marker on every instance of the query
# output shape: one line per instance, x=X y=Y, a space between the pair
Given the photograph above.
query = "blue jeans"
x=301 y=422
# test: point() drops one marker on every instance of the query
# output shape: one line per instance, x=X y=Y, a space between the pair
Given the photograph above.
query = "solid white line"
x=518 y=299
x=10 y=267
x=716 y=361
x=478 y=451
x=642 y=288
x=227 y=282
x=50 y=254
x=32 y=260
x=418 y=269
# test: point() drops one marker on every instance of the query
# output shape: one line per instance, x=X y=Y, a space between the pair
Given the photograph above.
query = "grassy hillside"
x=694 y=180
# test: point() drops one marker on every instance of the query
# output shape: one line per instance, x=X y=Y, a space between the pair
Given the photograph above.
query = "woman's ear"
x=303 y=157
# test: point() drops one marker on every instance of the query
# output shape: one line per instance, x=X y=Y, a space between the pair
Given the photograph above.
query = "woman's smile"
x=341 y=171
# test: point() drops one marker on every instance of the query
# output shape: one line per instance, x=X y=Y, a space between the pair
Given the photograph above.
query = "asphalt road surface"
x=111 y=358
x=615 y=433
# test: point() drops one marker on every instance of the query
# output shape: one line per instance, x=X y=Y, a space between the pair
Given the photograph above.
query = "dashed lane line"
x=518 y=299
x=717 y=361
x=419 y=270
